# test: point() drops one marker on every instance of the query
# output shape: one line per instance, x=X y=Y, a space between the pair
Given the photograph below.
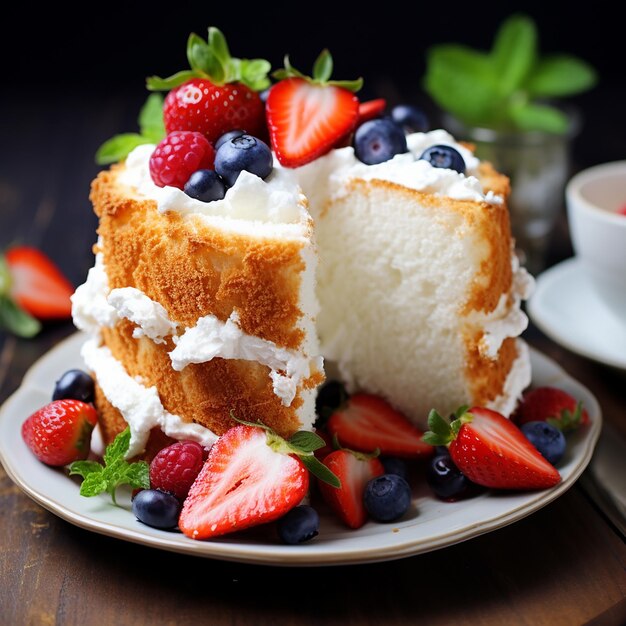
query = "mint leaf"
x=138 y=475
x=323 y=67
x=154 y=83
x=305 y=441
x=529 y=117
x=514 y=52
x=151 y=125
x=319 y=470
x=17 y=321
x=93 y=484
x=561 y=76
x=84 y=468
x=463 y=82
x=119 y=147
x=118 y=448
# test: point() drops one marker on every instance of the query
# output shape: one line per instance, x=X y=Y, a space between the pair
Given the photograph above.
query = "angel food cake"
x=224 y=279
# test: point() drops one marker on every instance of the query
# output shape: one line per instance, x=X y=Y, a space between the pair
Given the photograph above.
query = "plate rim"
x=300 y=556
x=544 y=282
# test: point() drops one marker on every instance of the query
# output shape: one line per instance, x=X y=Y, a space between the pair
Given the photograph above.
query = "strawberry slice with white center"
x=251 y=476
x=367 y=422
x=306 y=116
x=354 y=470
x=491 y=451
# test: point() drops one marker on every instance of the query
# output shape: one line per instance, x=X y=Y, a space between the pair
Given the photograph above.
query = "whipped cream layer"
x=95 y=306
x=327 y=176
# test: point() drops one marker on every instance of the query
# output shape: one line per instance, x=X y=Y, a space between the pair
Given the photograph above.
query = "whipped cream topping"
x=96 y=307
x=404 y=169
x=274 y=200
x=139 y=405
x=518 y=379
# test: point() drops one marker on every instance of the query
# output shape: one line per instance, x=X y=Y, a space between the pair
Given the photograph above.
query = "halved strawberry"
x=37 y=284
x=552 y=405
x=367 y=422
x=251 y=476
x=491 y=451
x=371 y=109
x=306 y=116
x=354 y=470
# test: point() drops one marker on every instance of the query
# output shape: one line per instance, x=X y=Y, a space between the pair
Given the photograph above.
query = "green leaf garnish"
x=17 y=321
x=306 y=441
x=318 y=469
x=498 y=89
x=442 y=432
x=322 y=70
x=116 y=471
x=151 y=130
x=211 y=59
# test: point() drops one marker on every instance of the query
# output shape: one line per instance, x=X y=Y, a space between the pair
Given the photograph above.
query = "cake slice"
x=197 y=309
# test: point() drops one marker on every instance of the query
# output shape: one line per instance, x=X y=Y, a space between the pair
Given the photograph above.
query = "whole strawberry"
x=218 y=94
x=175 y=467
x=490 y=450
x=552 y=405
x=60 y=432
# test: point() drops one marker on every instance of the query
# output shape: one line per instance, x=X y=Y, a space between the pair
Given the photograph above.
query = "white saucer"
x=566 y=308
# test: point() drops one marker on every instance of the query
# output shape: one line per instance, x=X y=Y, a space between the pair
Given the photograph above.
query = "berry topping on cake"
x=156 y=508
x=175 y=468
x=299 y=525
x=548 y=439
x=387 y=497
x=371 y=109
x=31 y=285
x=410 y=118
x=445 y=157
x=446 y=480
x=490 y=450
x=251 y=476
x=243 y=153
x=309 y=116
x=379 y=140
x=218 y=93
x=205 y=185
x=354 y=470
x=60 y=432
x=74 y=384
x=367 y=422
x=178 y=156
x=552 y=405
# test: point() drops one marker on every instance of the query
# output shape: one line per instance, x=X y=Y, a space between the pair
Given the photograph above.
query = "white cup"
x=598 y=231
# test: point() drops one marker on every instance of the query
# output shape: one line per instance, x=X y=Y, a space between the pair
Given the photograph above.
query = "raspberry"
x=178 y=156
x=175 y=468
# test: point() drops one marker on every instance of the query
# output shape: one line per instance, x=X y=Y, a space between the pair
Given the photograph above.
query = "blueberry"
x=156 y=508
x=442 y=451
x=548 y=439
x=243 y=153
x=445 y=157
x=231 y=134
x=410 y=118
x=206 y=186
x=299 y=525
x=74 y=384
x=396 y=466
x=387 y=497
x=378 y=140
x=446 y=480
x=331 y=395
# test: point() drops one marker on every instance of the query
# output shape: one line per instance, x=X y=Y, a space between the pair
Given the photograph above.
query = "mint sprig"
x=116 y=471
x=322 y=71
x=303 y=444
x=500 y=89
x=151 y=130
x=211 y=59
x=12 y=316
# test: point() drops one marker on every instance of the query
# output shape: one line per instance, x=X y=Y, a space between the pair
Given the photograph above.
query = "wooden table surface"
x=564 y=564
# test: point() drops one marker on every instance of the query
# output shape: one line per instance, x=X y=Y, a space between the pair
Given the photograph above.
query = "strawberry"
x=37 y=284
x=307 y=117
x=552 y=405
x=366 y=422
x=218 y=93
x=354 y=470
x=60 y=432
x=252 y=476
x=202 y=106
x=491 y=451
x=622 y=210
x=371 y=109
x=324 y=451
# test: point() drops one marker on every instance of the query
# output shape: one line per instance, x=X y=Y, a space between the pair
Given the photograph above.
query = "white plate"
x=429 y=525
x=565 y=307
